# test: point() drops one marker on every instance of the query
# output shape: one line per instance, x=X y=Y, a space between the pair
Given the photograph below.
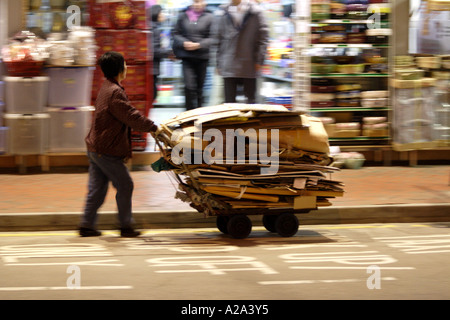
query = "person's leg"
x=230 y=89
x=117 y=172
x=250 y=90
x=190 y=84
x=155 y=87
x=97 y=189
x=201 y=70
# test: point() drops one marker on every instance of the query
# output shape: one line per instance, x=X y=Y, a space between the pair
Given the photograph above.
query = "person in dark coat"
x=159 y=53
x=109 y=145
x=192 y=39
x=242 y=36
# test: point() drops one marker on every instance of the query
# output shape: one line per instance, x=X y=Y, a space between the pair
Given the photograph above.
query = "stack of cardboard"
x=283 y=162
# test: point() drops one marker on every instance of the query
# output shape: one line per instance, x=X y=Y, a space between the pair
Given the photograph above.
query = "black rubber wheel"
x=239 y=226
x=286 y=224
x=222 y=222
x=269 y=222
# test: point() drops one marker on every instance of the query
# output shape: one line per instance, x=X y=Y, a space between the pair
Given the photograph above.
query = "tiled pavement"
x=65 y=192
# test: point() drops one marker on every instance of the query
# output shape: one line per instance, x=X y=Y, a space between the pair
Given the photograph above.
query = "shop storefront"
x=375 y=72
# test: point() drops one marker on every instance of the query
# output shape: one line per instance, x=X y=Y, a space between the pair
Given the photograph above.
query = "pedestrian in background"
x=159 y=52
x=192 y=39
x=242 y=36
x=109 y=146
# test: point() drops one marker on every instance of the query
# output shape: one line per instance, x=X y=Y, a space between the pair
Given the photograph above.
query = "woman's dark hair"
x=112 y=63
x=156 y=10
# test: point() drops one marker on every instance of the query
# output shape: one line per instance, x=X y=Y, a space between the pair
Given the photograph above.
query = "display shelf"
x=345 y=44
x=48 y=161
x=343 y=109
x=349 y=45
x=348 y=21
x=359 y=138
x=70 y=66
x=348 y=75
x=277 y=78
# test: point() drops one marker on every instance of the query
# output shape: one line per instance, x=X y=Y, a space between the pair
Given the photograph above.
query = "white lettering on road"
x=20 y=255
x=289 y=282
x=192 y=246
x=439 y=243
x=210 y=264
x=360 y=259
x=65 y=288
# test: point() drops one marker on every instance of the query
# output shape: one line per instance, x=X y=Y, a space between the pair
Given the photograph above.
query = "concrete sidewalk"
x=54 y=201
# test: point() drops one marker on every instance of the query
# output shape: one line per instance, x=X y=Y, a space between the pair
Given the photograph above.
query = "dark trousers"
x=155 y=87
x=194 y=73
x=231 y=85
x=103 y=169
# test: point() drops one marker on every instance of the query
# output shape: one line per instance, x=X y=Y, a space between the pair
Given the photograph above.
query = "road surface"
x=374 y=261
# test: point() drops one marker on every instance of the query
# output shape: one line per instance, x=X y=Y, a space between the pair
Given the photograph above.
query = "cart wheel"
x=239 y=226
x=269 y=222
x=222 y=222
x=286 y=224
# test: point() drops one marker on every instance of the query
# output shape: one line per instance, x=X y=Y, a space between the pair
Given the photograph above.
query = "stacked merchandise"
x=421 y=116
x=69 y=93
x=242 y=178
x=343 y=95
x=349 y=67
x=122 y=26
x=26 y=94
x=438 y=67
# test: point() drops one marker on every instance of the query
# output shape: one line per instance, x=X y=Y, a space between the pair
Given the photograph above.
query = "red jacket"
x=114 y=117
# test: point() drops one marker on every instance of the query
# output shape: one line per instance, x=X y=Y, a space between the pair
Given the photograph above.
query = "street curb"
x=400 y=213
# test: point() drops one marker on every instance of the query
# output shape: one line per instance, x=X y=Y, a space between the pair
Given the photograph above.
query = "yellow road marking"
x=193 y=230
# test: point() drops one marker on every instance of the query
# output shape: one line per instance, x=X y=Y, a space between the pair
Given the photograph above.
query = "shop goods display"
x=68 y=128
x=26 y=95
x=42 y=73
x=2 y=91
x=3 y=139
x=139 y=139
x=78 y=47
x=123 y=26
x=118 y=15
x=295 y=181
x=349 y=60
x=2 y=110
x=438 y=5
x=132 y=44
x=420 y=90
x=70 y=86
x=24 y=55
x=375 y=127
x=27 y=134
x=414 y=113
x=349 y=160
